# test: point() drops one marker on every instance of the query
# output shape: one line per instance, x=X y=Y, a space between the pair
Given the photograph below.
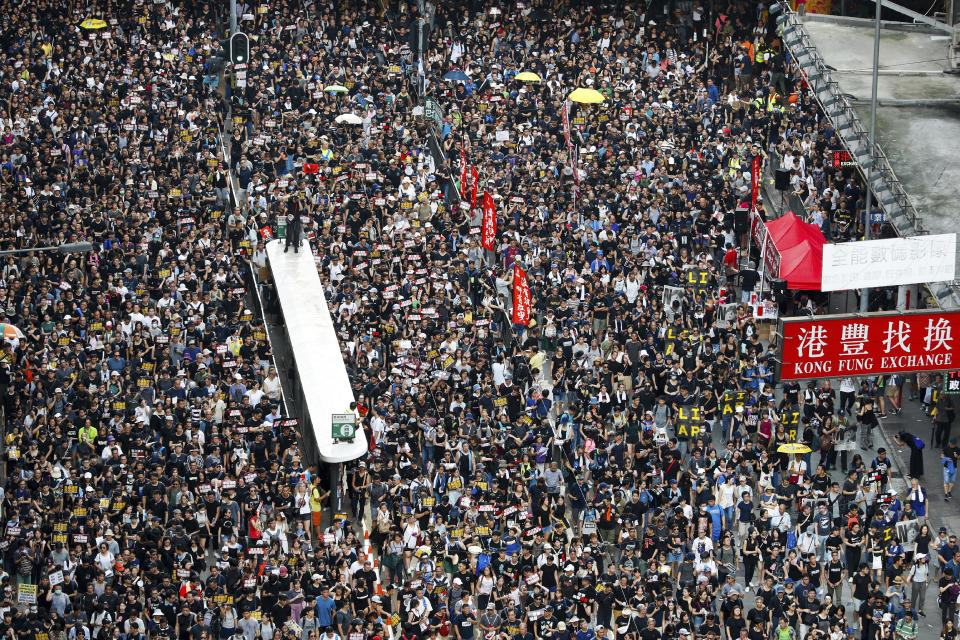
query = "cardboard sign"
x=688 y=422
x=790 y=419
x=699 y=279
x=27 y=594
x=732 y=400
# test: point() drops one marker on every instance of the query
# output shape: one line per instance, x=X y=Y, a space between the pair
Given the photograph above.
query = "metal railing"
x=257 y=299
x=253 y=277
x=791 y=201
x=889 y=192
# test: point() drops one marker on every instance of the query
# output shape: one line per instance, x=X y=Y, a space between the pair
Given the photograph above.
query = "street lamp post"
x=865 y=291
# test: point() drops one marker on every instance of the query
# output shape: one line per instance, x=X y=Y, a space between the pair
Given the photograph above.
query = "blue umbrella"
x=458 y=76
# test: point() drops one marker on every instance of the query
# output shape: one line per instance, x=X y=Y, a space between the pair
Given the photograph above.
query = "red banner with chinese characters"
x=475 y=183
x=566 y=124
x=489 y=226
x=522 y=306
x=754 y=181
x=841 y=346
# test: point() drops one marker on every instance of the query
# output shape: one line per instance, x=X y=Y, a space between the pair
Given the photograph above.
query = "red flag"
x=489 y=227
x=754 y=181
x=474 y=185
x=521 y=297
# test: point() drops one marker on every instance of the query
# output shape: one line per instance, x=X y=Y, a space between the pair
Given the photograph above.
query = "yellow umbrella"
x=793 y=447
x=590 y=96
x=527 y=76
x=93 y=23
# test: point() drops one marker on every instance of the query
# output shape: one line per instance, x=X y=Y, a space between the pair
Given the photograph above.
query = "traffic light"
x=239 y=48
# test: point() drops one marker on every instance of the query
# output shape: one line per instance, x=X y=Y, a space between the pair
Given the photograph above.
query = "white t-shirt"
x=271 y=386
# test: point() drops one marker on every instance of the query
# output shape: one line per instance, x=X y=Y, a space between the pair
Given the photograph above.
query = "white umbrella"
x=349 y=118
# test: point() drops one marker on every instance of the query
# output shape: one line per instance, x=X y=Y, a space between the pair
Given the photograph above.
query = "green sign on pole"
x=344 y=426
x=433 y=112
x=951 y=385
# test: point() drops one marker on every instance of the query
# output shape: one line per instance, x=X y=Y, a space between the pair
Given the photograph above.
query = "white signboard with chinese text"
x=890 y=262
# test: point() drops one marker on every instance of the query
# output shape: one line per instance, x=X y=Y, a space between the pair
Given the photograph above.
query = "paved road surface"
x=941 y=513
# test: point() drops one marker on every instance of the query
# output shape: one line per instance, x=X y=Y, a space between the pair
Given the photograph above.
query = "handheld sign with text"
x=790 y=419
x=688 y=422
x=951 y=385
x=732 y=400
x=27 y=594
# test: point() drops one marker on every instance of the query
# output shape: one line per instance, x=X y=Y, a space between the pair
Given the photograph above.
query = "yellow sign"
x=689 y=420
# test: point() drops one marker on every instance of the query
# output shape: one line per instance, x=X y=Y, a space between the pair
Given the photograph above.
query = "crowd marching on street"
x=544 y=307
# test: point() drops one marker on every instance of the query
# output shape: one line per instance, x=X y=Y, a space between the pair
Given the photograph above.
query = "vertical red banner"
x=754 y=181
x=489 y=227
x=522 y=306
x=473 y=186
x=566 y=123
x=463 y=171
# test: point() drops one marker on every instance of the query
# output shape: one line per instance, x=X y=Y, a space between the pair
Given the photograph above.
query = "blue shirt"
x=713 y=93
x=717 y=514
x=918 y=501
x=325 y=608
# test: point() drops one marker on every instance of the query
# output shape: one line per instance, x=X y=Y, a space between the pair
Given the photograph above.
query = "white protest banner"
x=889 y=262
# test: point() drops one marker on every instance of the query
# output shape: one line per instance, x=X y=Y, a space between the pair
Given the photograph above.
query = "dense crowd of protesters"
x=610 y=471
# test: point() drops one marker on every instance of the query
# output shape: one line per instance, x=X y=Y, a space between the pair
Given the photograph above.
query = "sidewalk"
x=915 y=421
x=941 y=513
